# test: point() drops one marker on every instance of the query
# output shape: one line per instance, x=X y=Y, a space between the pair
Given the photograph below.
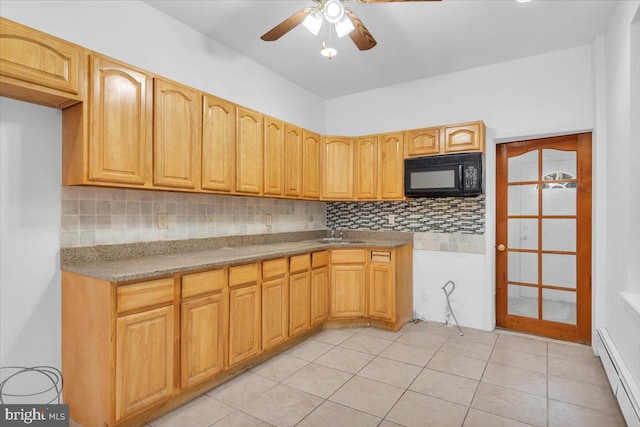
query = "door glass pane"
x=523 y=167
x=559 y=235
x=523 y=301
x=559 y=306
x=523 y=233
x=559 y=270
x=523 y=267
x=557 y=164
x=559 y=200
x=523 y=200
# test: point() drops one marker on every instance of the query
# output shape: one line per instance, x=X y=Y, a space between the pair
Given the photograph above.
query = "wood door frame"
x=581 y=332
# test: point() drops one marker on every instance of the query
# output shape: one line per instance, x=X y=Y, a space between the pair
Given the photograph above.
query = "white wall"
x=622 y=158
x=543 y=94
x=30 y=157
x=133 y=32
x=536 y=96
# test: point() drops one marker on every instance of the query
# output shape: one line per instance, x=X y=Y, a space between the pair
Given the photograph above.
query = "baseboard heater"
x=622 y=384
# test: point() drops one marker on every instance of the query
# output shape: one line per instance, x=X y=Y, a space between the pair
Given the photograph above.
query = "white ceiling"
x=415 y=39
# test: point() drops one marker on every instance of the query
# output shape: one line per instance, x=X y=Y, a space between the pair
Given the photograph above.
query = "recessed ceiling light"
x=523 y=1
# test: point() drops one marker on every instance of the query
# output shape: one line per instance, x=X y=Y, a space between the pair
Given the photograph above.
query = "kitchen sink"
x=339 y=241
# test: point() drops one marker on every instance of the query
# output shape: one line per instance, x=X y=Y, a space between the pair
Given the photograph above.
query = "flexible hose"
x=446 y=294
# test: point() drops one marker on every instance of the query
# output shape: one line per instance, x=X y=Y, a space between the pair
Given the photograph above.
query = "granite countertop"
x=144 y=267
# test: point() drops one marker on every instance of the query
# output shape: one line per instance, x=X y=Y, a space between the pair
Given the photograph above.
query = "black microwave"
x=448 y=175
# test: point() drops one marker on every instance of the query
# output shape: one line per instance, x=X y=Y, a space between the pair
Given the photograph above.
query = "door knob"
x=501 y=247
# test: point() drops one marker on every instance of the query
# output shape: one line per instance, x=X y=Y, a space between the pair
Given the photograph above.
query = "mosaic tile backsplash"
x=104 y=216
x=443 y=215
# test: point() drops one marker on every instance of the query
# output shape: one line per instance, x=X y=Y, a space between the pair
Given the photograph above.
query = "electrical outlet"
x=425 y=296
x=267 y=219
x=392 y=219
x=162 y=221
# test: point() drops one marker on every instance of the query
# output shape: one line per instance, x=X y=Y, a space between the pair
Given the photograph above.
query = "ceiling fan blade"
x=388 y=1
x=361 y=37
x=287 y=25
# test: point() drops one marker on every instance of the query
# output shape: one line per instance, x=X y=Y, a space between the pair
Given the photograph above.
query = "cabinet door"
x=381 y=291
x=391 y=166
x=249 y=151
x=218 y=144
x=311 y=165
x=37 y=67
x=347 y=291
x=337 y=168
x=244 y=323
x=176 y=135
x=144 y=359
x=299 y=302
x=367 y=167
x=464 y=137
x=273 y=157
x=293 y=161
x=203 y=337
x=275 y=308
x=319 y=295
x=120 y=120
x=422 y=142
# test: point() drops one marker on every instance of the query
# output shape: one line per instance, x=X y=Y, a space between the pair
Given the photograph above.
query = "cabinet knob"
x=501 y=247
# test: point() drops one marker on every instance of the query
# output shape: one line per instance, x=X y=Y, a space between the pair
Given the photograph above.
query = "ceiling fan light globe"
x=333 y=11
x=344 y=26
x=328 y=52
x=313 y=22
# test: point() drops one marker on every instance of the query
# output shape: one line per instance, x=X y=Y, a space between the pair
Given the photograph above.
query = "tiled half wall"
x=464 y=215
x=103 y=216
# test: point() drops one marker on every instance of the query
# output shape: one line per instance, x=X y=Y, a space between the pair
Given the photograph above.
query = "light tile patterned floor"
x=424 y=375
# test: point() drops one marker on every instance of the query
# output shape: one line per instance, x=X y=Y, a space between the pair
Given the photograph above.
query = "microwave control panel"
x=470 y=177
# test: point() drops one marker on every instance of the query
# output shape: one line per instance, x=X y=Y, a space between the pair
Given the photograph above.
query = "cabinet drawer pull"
x=381 y=256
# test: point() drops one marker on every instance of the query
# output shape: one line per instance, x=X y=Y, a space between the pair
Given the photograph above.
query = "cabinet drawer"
x=144 y=294
x=243 y=274
x=348 y=256
x=274 y=268
x=319 y=259
x=299 y=263
x=202 y=283
x=381 y=256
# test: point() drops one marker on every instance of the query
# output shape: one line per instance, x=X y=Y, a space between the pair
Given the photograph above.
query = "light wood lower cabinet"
x=348 y=276
x=144 y=359
x=275 y=310
x=132 y=351
x=319 y=287
x=245 y=311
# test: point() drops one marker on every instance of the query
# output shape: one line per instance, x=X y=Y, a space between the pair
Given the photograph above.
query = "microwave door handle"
x=461 y=181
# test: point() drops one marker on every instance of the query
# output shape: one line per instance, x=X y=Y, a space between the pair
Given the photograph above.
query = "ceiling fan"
x=334 y=12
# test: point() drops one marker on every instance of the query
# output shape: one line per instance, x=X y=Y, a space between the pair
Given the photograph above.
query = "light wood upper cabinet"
x=422 y=142
x=273 y=156
x=107 y=140
x=39 y=68
x=249 y=159
x=311 y=165
x=337 y=168
x=391 y=166
x=144 y=359
x=177 y=138
x=218 y=144
x=464 y=137
x=366 y=172
x=293 y=163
